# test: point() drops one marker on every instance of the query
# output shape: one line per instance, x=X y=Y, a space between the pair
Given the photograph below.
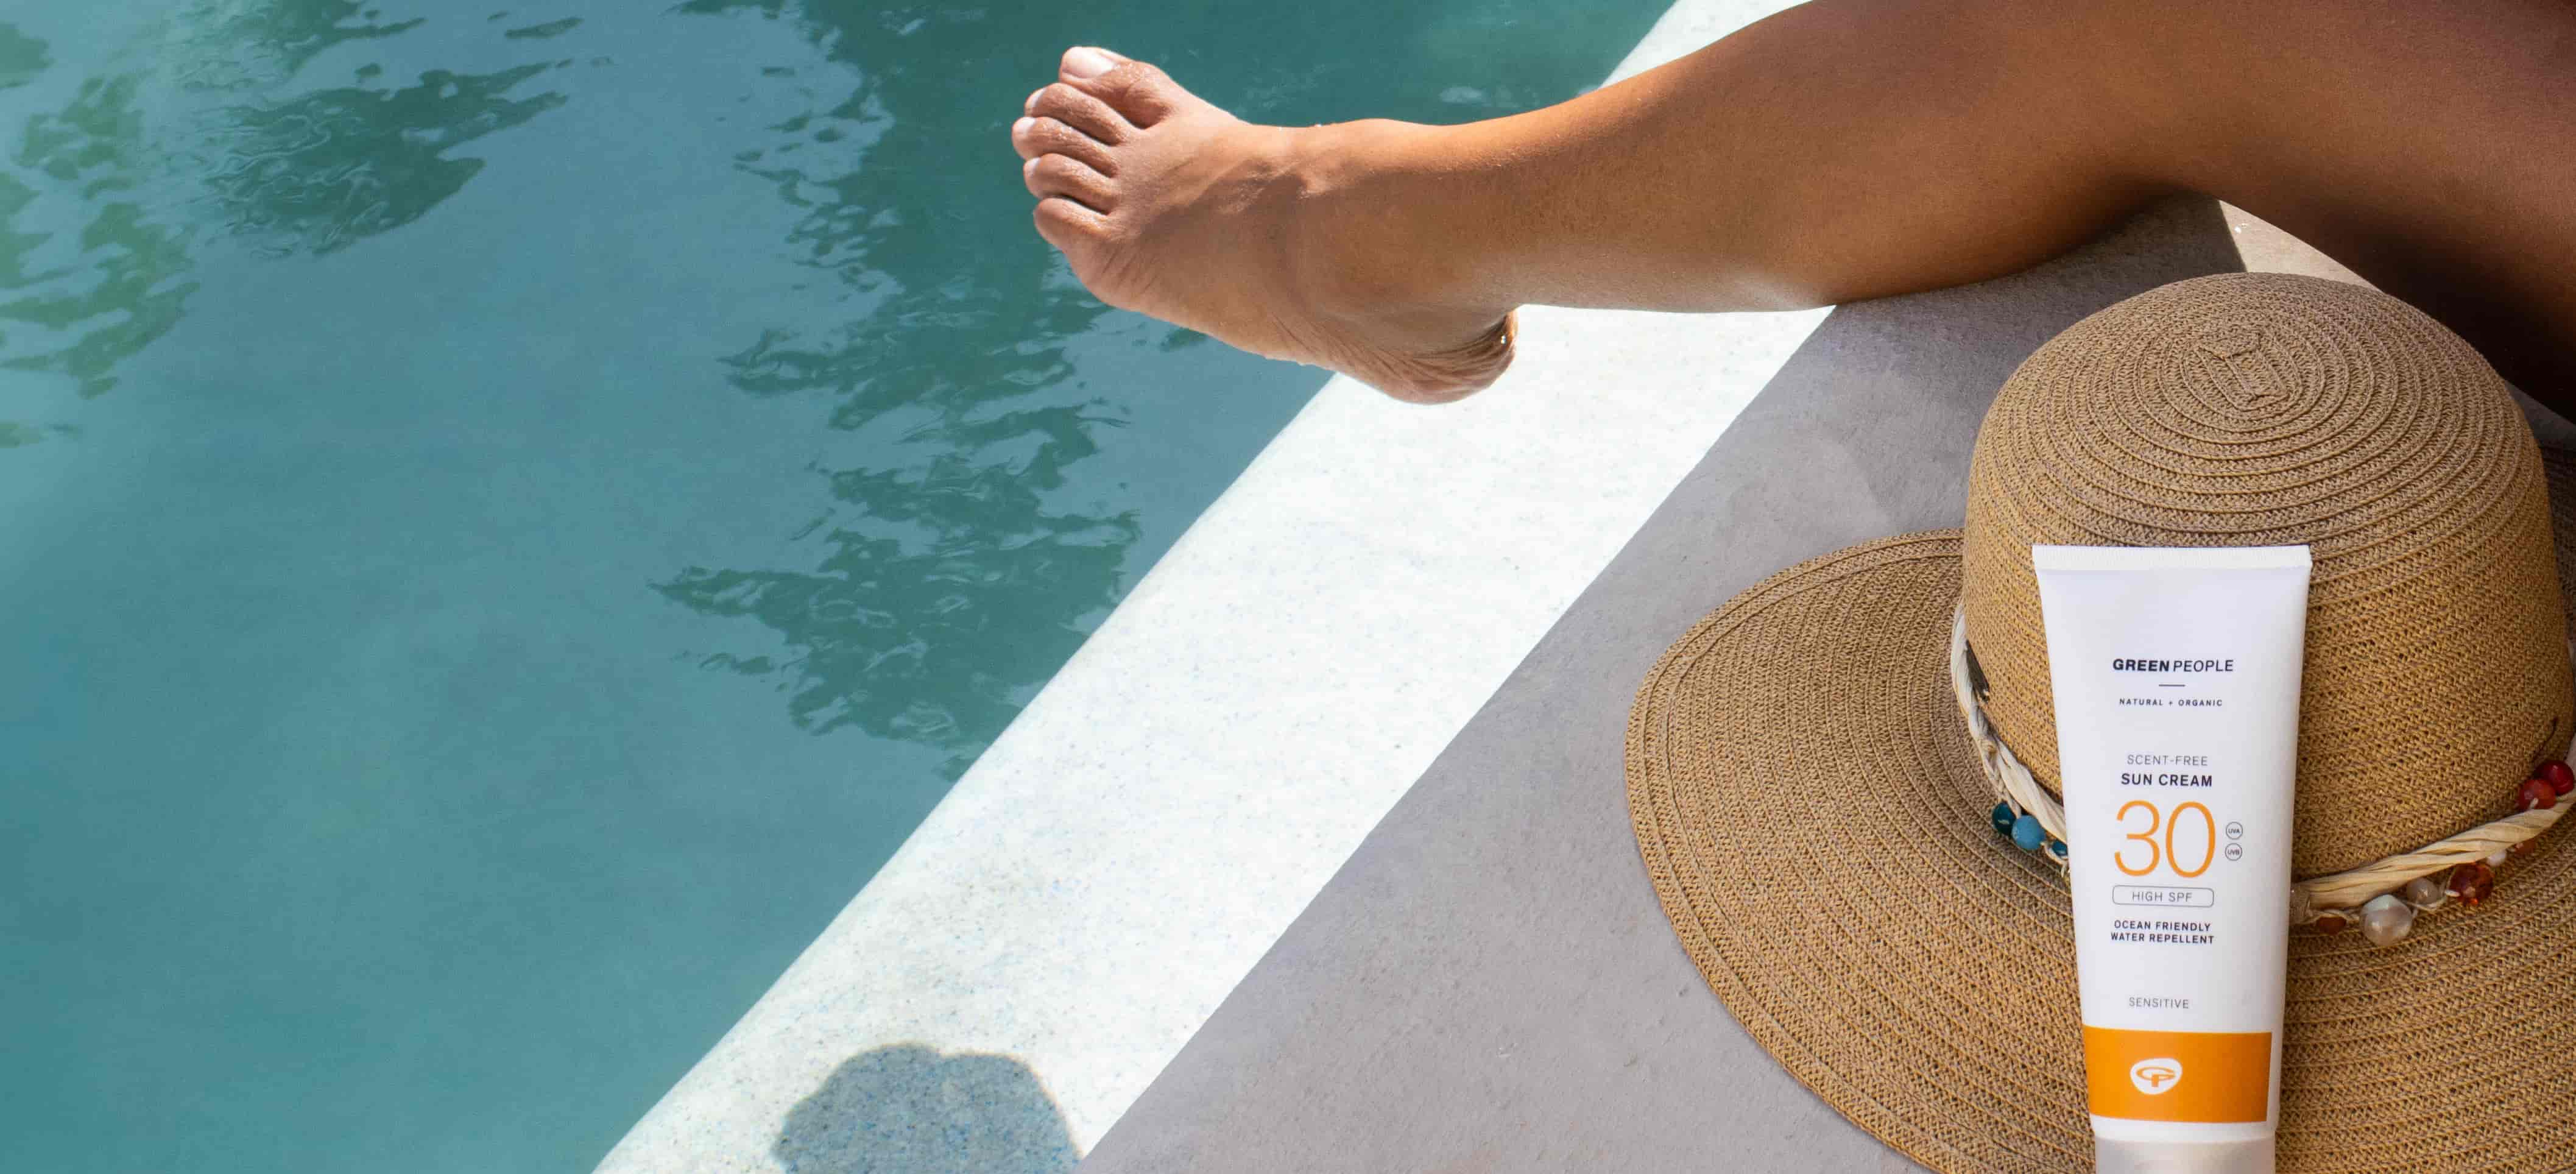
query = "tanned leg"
x=1841 y=150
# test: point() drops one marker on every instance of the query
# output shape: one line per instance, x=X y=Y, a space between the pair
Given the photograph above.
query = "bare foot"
x=1169 y=206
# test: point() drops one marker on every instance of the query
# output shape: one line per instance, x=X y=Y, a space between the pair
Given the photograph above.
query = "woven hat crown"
x=2266 y=409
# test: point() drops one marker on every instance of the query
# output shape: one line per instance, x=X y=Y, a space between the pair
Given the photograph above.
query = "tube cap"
x=2182 y=1157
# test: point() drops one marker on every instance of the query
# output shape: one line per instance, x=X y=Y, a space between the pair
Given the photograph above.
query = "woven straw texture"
x=1810 y=812
x=2263 y=409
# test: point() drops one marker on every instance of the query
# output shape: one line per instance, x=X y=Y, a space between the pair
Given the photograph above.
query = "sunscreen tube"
x=2176 y=673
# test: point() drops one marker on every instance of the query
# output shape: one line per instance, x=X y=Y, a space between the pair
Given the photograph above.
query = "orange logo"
x=2156 y=1075
x=2138 y=1075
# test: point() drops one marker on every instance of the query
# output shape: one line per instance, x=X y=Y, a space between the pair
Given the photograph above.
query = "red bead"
x=2329 y=923
x=2471 y=882
x=2536 y=795
x=2560 y=776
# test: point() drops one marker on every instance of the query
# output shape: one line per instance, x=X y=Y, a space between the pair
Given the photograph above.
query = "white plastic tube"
x=2176 y=674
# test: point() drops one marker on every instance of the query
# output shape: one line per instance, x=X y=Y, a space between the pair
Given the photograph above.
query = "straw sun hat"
x=1820 y=825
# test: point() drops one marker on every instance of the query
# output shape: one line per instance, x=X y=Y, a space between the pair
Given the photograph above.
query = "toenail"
x=1085 y=61
x=1031 y=105
x=1028 y=167
x=1022 y=127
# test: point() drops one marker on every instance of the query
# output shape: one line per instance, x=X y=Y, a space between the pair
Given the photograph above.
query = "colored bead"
x=2536 y=795
x=2424 y=891
x=2057 y=848
x=2027 y=834
x=2386 y=919
x=2003 y=818
x=2471 y=882
x=2520 y=848
x=2496 y=858
x=2560 y=776
x=2330 y=923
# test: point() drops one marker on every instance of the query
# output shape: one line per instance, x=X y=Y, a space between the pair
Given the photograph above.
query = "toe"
x=1136 y=90
x=1070 y=227
x=1033 y=137
x=1082 y=61
x=1080 y=111
x=1061 y=175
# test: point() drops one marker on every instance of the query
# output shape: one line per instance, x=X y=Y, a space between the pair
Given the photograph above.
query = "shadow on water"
x=334 y=166
x=22 y=57
x=907 y=1109
x=956 y=567
x=103 y=207
x=116 y=284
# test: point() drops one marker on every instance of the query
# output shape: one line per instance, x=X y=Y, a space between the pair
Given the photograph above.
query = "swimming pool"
x=515 y=514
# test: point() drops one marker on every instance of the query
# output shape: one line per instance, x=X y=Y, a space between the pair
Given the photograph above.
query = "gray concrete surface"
x=1487 y=984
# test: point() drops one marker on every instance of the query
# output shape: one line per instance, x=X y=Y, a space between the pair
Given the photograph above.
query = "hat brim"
x=1817 y=829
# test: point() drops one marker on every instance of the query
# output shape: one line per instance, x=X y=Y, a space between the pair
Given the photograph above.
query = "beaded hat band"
x=1809 y=793
x=2383 y=896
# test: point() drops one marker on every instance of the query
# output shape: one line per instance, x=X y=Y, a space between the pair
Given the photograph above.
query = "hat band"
x=2383 y=896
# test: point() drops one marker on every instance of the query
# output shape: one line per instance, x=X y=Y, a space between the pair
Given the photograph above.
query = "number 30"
x=2155 y=818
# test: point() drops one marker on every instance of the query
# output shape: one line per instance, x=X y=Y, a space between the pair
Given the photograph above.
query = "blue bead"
x=2003 y=818
x=2027 y=834
x=2057 y=848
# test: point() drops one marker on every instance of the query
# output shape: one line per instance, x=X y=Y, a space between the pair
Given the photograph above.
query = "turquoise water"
x=511 y=517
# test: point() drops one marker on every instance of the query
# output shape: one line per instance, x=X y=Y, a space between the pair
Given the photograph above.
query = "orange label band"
x=2206 y=1076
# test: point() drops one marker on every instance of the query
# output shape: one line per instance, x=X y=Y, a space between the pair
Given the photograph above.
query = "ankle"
x=1370 y=229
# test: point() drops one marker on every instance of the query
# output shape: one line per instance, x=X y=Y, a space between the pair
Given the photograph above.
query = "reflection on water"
x=103 y=206
x=324 y=169
x=117 y=283
x=948 y=586
x=945 y=582
x=22 y=57
x=552 y=28
x=230 y=45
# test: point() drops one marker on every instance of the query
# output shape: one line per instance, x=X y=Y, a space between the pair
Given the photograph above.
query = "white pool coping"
x=1135 y=841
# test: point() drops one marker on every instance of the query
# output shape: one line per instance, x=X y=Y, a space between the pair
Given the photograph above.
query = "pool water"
x=512 y=516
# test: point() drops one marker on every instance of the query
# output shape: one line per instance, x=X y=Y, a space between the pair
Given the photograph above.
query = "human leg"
x=1842 y=150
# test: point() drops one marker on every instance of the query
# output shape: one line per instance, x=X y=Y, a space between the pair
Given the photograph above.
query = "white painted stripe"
x=1126 y=851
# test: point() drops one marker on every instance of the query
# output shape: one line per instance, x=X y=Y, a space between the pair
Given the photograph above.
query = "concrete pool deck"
x=1156 y=819
x=1489 y=983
